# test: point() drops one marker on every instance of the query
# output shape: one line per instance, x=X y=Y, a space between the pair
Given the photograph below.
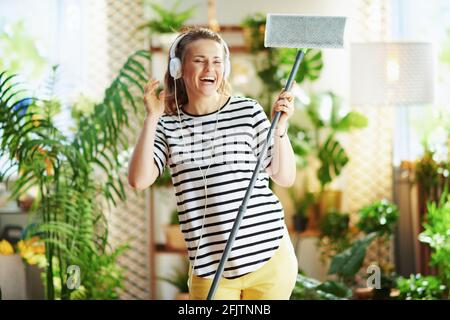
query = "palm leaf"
x=71 y=219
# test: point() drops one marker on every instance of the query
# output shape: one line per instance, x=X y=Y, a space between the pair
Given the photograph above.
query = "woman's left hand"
x=285 y=104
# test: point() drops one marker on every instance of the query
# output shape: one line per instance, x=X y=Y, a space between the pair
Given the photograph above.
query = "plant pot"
x=329 y=200
x=326 y=201
x=381 y=294
x=300 y=223
x=174 y=237
x=363 y=293
x=25 y=202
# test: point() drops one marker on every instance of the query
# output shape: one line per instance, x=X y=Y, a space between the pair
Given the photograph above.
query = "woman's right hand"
x=153 y=104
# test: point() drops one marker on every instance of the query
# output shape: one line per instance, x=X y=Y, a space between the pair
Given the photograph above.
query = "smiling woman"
x=211 y=141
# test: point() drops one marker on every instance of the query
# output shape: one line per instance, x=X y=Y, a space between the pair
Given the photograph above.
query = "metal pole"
x=243 y=206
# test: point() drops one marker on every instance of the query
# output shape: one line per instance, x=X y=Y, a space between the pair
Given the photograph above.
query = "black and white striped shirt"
x=242 y=127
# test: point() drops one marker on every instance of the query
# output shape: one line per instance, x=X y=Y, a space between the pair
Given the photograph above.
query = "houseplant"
x=76 y=178
x=334 y=234
x=348 y=262
x=380 y=217
x=418 y=287
x=376 y=221
x=165 y=179
x=179 y=278
x=311 y=289
x=301 y=205
x=167 y=23
x=324 y=120
x=327 y=119
x=174 y=236
x=437 y=235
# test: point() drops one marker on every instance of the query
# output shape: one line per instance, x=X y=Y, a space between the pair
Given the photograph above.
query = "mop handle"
x=243 y=206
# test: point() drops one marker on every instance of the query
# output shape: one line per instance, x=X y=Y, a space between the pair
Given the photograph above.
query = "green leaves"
x=311 y=66
x=100 y=134
x=335 y=225
x=18 y=50
x=347 y=263
x=71 y=175
x=437 y=235
x=333 y=159
x=179 y=278
x=310 y=289
x=379 y=217
x=352 y=120
x=326 y=118
x=168 y=20
x=336 y=289
x=418 y=287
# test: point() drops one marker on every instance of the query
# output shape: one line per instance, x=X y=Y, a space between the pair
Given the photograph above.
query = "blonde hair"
x=191 y=35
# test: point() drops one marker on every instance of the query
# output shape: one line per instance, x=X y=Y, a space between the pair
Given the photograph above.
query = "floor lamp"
x=395 y=74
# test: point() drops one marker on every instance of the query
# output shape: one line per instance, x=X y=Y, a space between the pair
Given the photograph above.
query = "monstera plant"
x=324 y=121
x=76 y=178
x=329 y=119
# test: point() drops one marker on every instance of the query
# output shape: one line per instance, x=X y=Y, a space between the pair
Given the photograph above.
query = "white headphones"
x=175 y=62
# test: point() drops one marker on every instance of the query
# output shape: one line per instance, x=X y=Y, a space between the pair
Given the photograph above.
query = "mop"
x=285 y=31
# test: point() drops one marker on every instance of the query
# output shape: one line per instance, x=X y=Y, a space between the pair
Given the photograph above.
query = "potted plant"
x=380 y=218
x=418 y=287
x=347 y=263
x=436 y=234
x=254 y=27
x=72 y=175
x=165 y=26
x=301 y=207
x=174 y=236
x=334 y=234
x=179 y=279
x=317 y=138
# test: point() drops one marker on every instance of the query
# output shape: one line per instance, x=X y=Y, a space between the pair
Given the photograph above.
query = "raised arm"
x=142 y=170
x=283 y=169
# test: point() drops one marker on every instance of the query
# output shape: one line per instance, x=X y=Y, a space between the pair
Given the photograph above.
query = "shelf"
x=304 y=234
x=162 y=248
x=233 y=49
x=230 y=33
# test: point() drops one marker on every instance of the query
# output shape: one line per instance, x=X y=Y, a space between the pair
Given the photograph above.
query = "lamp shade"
x=391 y=73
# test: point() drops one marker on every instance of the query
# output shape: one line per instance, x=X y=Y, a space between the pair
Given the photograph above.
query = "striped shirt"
x=231 y=152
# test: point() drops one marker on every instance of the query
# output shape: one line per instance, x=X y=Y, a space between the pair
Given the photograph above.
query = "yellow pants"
x=275 y=280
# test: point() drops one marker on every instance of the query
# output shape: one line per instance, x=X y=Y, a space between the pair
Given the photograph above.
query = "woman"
x=211 y=142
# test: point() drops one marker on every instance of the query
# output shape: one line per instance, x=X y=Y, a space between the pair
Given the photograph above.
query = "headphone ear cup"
x=175 y=68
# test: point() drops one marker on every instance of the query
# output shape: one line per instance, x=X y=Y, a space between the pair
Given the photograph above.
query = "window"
x=417 y=126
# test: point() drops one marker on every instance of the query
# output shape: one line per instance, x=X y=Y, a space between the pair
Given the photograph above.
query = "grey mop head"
x=300 y=31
